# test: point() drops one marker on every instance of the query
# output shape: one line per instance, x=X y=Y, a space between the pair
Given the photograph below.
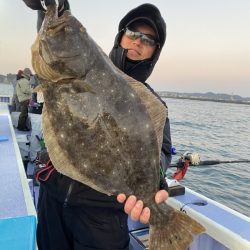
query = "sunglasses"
x=145 y=39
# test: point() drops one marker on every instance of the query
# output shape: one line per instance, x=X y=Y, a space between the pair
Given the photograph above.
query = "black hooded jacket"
x=69 y=191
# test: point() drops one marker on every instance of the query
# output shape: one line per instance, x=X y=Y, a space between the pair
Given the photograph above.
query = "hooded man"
x=72 y=215
x=140 y=69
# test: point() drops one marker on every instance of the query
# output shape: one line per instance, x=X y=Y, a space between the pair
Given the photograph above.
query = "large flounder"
x=102 y=127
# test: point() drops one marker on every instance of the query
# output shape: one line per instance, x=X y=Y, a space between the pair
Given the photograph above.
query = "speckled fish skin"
x=102 y=127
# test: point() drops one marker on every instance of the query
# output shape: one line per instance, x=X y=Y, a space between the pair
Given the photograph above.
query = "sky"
x=207 y=46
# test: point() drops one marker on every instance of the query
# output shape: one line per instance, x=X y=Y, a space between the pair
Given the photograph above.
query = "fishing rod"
x=208 y=162
x=193 y=159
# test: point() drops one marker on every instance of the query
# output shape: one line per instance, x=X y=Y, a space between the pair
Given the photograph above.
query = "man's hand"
x=135 y=209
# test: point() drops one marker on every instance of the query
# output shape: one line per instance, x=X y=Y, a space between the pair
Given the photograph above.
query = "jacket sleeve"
x=166 y=155
x=36 y=5
x=25 y=87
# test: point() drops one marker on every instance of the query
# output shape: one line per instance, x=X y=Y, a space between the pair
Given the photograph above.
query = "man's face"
x=137 y=49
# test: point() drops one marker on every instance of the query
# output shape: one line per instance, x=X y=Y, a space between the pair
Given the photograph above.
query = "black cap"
x=149 y=14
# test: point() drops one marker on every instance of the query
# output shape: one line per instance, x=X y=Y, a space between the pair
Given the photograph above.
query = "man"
x=15 y=103
x=71 y=215
x=24 y=91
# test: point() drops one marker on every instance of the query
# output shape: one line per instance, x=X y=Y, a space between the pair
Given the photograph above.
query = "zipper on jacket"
x=65 y=203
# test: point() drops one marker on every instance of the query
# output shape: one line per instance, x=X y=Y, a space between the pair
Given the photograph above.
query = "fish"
x=102 y=127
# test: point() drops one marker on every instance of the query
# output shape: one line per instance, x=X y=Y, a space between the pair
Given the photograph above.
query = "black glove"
x=163 y=183
x=36 y=4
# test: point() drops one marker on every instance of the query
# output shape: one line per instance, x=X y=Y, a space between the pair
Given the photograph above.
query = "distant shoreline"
x=205 y=99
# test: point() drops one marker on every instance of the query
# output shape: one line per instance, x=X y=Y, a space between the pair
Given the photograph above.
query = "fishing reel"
x=193 y=158
x=183 y=163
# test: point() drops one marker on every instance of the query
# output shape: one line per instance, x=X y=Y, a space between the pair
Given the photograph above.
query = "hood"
x=147 y=13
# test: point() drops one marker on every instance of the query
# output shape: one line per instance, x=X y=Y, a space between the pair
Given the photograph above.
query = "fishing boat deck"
x=17 y=211
x=224 y=226
x=227 y=218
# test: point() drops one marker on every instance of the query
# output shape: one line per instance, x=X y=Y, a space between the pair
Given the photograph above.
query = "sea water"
x=217 y=131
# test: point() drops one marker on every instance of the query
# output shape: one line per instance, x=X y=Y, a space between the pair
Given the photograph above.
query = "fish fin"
x=171 y=229
x=156 y=110
x=59 y=157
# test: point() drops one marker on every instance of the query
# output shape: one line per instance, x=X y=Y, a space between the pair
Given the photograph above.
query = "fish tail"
x=171 y=229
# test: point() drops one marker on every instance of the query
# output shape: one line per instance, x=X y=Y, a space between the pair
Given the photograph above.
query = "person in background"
x=36 y=103
x=24 y=91
x=15 y=106
x=72 y=215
